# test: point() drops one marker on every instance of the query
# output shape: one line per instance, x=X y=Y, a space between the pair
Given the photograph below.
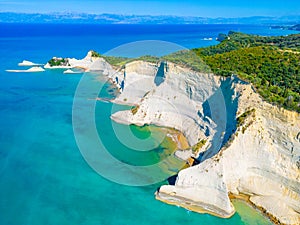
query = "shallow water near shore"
x=44 y=178
x=248 y=214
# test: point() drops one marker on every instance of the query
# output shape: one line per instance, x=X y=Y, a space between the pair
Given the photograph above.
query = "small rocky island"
x=62 y=62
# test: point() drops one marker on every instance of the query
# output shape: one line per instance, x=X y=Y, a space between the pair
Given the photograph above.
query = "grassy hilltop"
x=271 y=64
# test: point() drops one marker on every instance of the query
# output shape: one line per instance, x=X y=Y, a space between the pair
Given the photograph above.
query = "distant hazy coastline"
x=11 y=17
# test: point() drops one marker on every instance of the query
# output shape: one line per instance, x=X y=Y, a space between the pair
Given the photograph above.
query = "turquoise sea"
x=43 y=177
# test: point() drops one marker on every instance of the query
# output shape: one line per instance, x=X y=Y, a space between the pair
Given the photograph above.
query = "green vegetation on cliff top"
x=238 y=40
x=58 y=62
x=270 y=64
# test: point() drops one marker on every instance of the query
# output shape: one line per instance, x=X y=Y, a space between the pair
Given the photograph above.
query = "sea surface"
x=43 y=177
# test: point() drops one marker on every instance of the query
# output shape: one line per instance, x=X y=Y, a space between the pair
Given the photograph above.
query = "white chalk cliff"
x=167 y=95
x=261 y=159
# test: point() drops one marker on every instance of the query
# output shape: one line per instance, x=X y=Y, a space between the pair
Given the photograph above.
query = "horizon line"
x=168 y=15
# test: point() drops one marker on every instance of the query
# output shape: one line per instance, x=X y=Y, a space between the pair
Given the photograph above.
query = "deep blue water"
x=28 y=41
x=43 y=177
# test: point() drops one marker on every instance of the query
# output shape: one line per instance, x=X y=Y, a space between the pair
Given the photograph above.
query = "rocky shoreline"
x=260 y=159
x=252 y=148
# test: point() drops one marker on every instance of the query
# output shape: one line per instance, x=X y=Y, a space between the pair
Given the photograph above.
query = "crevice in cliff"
x=221 y=108
x=160 y=75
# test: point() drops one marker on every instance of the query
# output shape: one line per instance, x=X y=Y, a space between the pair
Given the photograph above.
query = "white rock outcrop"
x=28 y=63
x=167 y=95
x=88 y=64
x=262 y=161
x=30 y=70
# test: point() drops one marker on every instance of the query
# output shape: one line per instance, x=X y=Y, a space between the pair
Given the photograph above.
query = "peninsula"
x=238 y=107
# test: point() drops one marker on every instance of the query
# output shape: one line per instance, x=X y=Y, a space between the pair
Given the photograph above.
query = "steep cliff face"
x=167 y=95
x=135 y=80
x=268 y=152
x=261 y=160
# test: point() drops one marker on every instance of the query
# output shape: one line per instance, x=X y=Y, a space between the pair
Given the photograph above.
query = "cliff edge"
x=261 y=161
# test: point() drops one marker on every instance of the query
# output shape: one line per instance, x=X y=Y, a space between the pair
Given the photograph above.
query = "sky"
x=207 y=8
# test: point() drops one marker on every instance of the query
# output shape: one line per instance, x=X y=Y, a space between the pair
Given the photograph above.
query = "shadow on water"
x=221 y=108
x=172 y=179
x=160 y=75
